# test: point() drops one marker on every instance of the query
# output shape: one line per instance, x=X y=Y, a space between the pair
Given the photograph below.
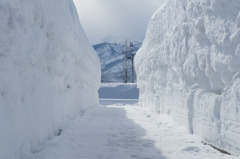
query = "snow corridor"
x=120 y=129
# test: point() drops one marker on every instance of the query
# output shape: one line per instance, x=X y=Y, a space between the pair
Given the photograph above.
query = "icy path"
x=125 y=132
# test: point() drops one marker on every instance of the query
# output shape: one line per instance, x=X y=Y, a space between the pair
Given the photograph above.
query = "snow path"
x=125 y=132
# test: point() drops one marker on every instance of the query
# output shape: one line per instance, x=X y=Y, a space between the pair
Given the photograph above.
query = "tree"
x=129 y=56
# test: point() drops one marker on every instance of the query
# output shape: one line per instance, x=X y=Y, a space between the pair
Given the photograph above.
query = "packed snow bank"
x=48 y=72
x=188 y=67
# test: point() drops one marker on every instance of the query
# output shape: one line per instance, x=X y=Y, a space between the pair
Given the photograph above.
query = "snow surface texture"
x=125 y=132
x=112 y=59
x=48 y=72
x=188 y=67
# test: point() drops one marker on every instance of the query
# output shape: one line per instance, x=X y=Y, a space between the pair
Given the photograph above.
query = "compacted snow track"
x=124 y=132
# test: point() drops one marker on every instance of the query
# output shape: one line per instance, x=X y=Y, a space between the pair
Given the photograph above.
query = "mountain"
x=188 y=68
x=112 y=58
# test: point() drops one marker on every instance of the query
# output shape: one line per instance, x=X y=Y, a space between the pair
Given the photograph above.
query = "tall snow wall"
x=189 y=68
x=49 y=73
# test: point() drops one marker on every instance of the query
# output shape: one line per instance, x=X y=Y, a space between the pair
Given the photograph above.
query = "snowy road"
x=125 y=132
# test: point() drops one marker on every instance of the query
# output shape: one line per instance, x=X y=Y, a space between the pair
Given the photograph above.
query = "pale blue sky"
x=124 y=18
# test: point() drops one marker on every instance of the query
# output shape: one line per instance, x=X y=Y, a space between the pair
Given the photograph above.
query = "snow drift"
x=48 y=72
x=189 y=68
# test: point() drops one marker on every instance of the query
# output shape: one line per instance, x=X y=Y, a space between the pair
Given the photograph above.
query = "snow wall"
x=189 y=68
x=48 y=72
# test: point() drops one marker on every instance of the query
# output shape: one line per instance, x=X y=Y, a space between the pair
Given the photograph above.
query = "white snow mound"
x=189 y=68
x=48 y=72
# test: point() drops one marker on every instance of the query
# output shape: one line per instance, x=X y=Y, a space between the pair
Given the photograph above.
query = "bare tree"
x=125 y=71
x=129 y=56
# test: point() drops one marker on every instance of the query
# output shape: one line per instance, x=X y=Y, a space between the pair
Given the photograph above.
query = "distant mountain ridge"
x=112 y=58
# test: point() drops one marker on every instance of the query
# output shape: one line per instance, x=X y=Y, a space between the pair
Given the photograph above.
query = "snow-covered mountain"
x=49 y=73
x=189 y=68
x=112 y=58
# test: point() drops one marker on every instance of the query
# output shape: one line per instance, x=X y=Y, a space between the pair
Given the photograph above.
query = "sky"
x=102 y=19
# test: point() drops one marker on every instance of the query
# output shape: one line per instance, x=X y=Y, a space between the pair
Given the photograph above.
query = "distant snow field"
x=110 y=93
